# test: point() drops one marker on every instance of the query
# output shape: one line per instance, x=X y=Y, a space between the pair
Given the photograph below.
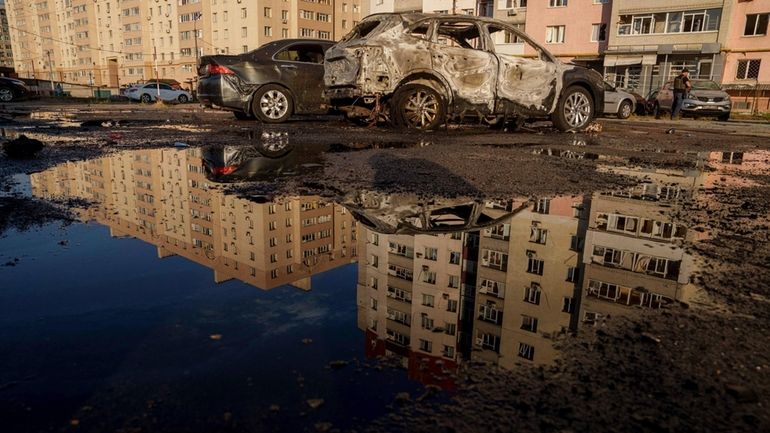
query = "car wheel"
x=624 y=112
x=418 y=107
x=724 y=117
x=183 y=99
x=272 y=104
x=240 y=115
x=146 y=98
x=6 y=94
x=575 y=109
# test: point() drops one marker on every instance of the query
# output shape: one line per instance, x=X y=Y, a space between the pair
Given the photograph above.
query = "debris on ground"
x=22 y=147
x=315 y=403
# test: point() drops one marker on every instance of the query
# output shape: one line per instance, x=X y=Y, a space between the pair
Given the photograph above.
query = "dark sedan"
x=12 y=89
x=270 y=83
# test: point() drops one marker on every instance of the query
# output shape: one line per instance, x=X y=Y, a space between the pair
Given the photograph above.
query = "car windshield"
x=705 y=85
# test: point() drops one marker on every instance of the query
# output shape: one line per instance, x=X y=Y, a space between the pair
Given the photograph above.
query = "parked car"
x=618 y=102
x=705 y=98
x=12 y=89
x=176 y=85
x=424 y=69
x=270 y=83
x=149 y=92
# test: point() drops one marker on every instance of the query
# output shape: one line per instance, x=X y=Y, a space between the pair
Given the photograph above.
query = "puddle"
x=174 y=301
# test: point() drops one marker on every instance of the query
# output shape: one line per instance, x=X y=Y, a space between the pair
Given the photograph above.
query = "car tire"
x=575 y=110
x=183 y=99
x=416 y=106
x=146 y=98
x=272 y=104
x=625 y=109
x=724 y=117
x=240 y=115
x=6 y=94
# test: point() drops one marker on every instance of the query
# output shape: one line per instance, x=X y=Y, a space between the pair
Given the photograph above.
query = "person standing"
x=682 y=87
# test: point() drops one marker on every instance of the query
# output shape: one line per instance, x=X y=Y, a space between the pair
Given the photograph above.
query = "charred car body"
x=426 y=69
x=270 y=83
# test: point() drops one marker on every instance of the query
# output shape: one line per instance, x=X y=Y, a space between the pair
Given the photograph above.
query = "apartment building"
x=408 y=297
x=109 y=43
x=163 y=197
x=527 y=289
x=650 y=43
x=747 y=56
x=635 y=253
x=6 y=51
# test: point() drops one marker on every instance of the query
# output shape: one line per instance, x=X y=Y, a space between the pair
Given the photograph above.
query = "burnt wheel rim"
x=577 y=109
x=274 y=104
x=6 y=95
x=421 y=109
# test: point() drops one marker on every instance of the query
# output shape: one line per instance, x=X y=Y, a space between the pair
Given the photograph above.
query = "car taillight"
x=220 y=70
x=221 y=171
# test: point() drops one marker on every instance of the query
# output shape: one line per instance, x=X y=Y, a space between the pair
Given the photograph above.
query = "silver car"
x=618 y=102
x=706 y=98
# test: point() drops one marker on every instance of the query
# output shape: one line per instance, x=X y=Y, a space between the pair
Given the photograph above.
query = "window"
x=572 y=274
x=535 y=266
x=429 y=277
x=268 y=13
x=526 y=351
x=493 y=288
x=454 y=258
x=268 y=31
x=307 y=53
x=598 y=32
x=399 y=316
x=576 y=243
x=450 y=328
x=568 y=305
x=428 y=300
x=426 y=346
x=431 y=253
x=426 y=322
x=374 y=304
x=747 y=69
x=756 y=25
x=451 y=306
x=448 y=352
x=529 y=323
x=502 y=231
x=538 y=235
x=488 y=341
x=399 y=294
x=557 y=3
x=243 y=13
x=554 y=35
x=494 y=259
x=454 y=281
x=464 y=34
x=532 y=293
x=489 y=313
x=543 y=205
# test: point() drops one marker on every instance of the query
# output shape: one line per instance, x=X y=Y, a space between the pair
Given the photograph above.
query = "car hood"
x=708 y=93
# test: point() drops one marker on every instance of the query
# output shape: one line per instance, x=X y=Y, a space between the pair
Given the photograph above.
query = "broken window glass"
x=463 y=34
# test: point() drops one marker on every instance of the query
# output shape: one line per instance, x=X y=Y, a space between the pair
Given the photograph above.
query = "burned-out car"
x=422 y=70
x=270 y=83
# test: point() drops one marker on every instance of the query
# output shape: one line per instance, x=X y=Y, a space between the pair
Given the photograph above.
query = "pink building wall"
x=578 y=18
x=739 y=47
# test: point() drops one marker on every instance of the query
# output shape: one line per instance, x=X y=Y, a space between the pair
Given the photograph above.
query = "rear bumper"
x=218 y=92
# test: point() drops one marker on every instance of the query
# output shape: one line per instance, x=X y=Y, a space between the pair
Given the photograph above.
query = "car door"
x=460 y=53
x=611 y=99
x=666 y=96
x=527 y=75
x=301 y=70
x=167 y=93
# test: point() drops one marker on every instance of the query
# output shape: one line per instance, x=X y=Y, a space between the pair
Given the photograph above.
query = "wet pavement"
x=264 y=283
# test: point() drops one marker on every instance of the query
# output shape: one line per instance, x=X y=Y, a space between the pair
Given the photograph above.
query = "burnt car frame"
x=422 y=70
x=271 y=83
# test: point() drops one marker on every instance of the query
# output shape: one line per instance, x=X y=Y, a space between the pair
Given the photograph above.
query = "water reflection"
x=439 y=281
x=164 y=197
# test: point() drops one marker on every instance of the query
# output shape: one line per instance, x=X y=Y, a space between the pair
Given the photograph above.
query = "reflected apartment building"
x=164 y=198
x=528 y=280
x=409 y=294
x=635 y=253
